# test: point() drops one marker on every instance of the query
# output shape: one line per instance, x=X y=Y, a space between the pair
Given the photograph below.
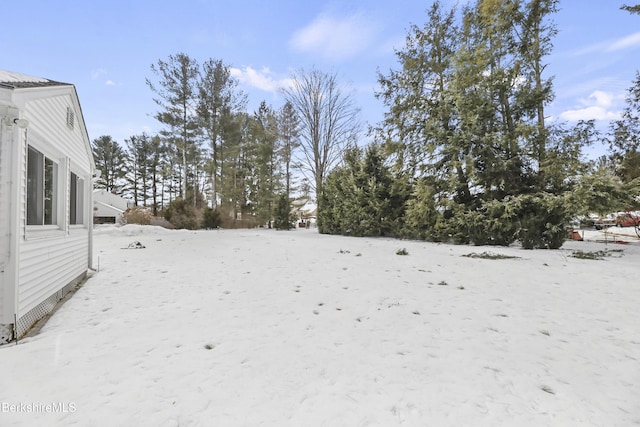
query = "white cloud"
x=96 y=74
x=601 y=98
x=261 y=79
x=599 y=105
x=335 y=38
x=626 y=42
x=588 y=113
x=110 y=83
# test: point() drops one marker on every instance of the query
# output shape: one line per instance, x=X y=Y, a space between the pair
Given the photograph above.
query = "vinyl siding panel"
x=48 y=126
x=53 y=256
x=47 y=265
x=5 y=198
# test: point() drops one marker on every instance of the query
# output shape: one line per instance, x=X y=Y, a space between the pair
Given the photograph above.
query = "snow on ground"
x=275 y=328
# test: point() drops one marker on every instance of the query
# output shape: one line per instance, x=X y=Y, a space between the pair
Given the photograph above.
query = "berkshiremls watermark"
x=30 y=407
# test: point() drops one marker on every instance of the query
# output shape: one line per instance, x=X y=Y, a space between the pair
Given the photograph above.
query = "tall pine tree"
x=177 y=96
x=219 y=100
x=110 y=160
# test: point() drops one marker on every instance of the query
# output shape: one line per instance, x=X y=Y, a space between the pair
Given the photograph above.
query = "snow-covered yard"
x=266 y=328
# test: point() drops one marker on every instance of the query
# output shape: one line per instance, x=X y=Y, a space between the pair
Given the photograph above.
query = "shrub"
x=542 y=220
x=284 y=219
x=182 y=214
x=500 y=224
x=228 y=218
x=421 y=214
x=363 y=197
x=535 y=220
x=210 y=218
x=137 y=215
x=491 y=224
x=454 y=226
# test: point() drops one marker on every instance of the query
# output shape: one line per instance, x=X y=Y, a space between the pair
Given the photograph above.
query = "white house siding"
x=10 y=139
x=47 y=124
x=39 y=264
x=47 y=265
x=52 y=257
x=5 y=197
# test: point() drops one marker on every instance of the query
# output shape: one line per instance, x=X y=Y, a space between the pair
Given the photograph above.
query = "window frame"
x=77 y=215
x=42 y=190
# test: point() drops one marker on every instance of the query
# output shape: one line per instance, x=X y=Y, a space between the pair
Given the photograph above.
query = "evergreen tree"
x=210 y=219
x=171 y=173
x=155 y=164
x=420 y=115
x=625 y=145
x=288 y=130
x=234 y=171
x=283 y=218
x=466 y=124
x=362 y=197
x=486 y=89
x=148 y=169
x=629 y=170
x=110 y=159
x=265 y=162
x=631 y=9
x=138 y=168
x=601 y=191
x=177 y=99
x=535 y=43
x=334 y=213
x=626 y=131
x=422 y=217
x=383 y=196
x=218 y=101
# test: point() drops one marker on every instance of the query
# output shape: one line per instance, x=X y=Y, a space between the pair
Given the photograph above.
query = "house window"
x=42 y=177
x=76 y=199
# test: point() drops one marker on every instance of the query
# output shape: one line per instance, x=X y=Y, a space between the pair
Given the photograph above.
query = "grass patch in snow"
x=402 y=251
x=596 y=255
x=489 y=255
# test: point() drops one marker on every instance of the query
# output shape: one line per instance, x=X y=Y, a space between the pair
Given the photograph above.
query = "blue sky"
x=106 y=49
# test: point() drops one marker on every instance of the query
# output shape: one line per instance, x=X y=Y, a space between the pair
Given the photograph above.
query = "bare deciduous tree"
x=329 y=121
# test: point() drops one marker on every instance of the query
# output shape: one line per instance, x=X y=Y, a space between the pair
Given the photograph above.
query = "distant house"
x=305 y=211
x=46 y=171
x=108 y=208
